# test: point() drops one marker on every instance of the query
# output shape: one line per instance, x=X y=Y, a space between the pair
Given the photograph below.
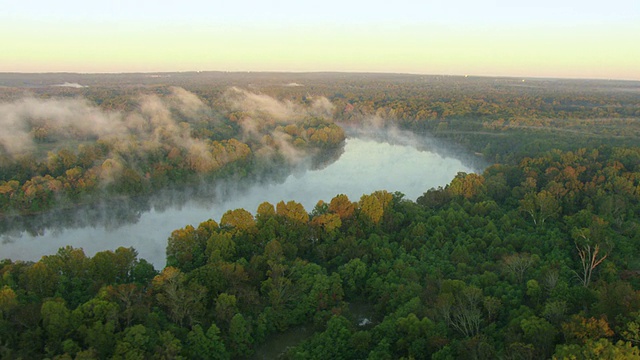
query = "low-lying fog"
x=365 y=166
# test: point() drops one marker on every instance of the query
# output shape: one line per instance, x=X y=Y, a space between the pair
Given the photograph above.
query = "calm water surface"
x=365 y=166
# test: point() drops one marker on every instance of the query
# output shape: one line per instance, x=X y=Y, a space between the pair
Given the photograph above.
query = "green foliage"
x=333 y=343
x=240 y=339
x=56 y=321
x=133 y=344
x=207 y=345
x=600 y=349
x=482 y=268
x=471 y=276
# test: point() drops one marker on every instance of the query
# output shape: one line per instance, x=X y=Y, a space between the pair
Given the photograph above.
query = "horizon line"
x=534 y=77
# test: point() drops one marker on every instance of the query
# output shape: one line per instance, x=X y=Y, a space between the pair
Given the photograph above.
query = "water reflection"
x=114 y=213
x=367 y=164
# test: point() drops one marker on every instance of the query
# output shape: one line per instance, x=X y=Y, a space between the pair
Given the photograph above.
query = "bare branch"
x=589 y=261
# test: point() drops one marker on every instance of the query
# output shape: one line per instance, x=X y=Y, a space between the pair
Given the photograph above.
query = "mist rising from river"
x=366 y=165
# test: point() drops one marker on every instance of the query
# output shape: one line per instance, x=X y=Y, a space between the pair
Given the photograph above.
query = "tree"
x=73 y=282
x=185 y=250
x=95 y=322
x=56 y=320
x=329 y=222
x=142 y=272
x=375 y=204
x=40 y=279
x=466 y=185
x=133 y=344
x=209 y=345
x=466 y=315
x=293 y=211
x=492 y=306
x=435 y=198
x=168 y=347
x=555 y=310
x=8 y=300
x=460 y=307
x=240 y=219
x=418 y=339
x=353 y=275
x=540 y=333
x=589 y=259
x=220 y=247
x=240 y=339
x=540 y=206
x=342 y=206
x=102 y=270
x=333 y=343
x=580 y=329
x=265 y=211
x=183 y=300
x=598 y=349
x=99 y=337
x=226 y=308
x=518 y=264
x=133 y=302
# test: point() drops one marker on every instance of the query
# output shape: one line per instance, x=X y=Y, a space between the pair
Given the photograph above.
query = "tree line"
x=504 y=120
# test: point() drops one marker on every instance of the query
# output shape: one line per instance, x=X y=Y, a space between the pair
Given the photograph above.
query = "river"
x=409 y=165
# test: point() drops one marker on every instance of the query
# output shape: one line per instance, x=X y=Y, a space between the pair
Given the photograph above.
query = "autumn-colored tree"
x=375 y=204
x=598 y=349
x=8 y=300
x=200 y=159
x=329 y=222
x=580 y=329
x=293 y=211
x=240 y=219
x=265 y=211
x=342 y=206
x=466 y=185
x=185 y=250
x=207 y=228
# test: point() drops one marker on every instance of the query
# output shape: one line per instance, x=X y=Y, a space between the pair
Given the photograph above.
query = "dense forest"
x=68 y=151
x=536 y=257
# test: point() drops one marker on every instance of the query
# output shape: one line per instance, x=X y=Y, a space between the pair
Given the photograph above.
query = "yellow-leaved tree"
x=293 y=211
x=240 y=219
x=375 y=204
x=342 y=206
x=467 y=185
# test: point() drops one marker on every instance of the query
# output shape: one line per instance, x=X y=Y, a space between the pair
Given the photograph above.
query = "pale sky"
x=540 y=38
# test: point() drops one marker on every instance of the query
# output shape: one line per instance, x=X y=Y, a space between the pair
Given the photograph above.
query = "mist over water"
x=367 y=164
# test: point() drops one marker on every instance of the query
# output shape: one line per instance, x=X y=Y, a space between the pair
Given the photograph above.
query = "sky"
x=542 y=38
